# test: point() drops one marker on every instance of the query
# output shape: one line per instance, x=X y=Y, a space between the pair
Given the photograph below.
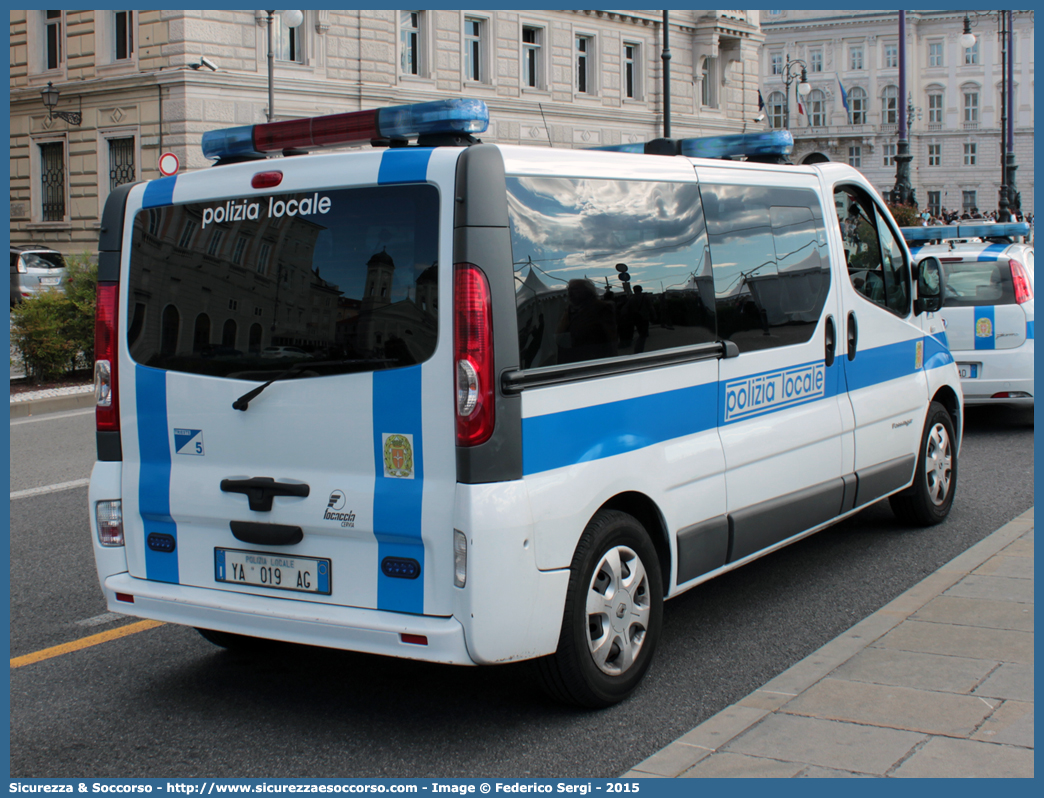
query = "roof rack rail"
x=773 y=146
x=976 y=230
x=437 y=123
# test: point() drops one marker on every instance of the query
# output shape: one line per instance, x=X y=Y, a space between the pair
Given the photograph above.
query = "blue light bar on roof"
x=771 y=142
x=638 y=148
x=975 y=230
x=358 y=127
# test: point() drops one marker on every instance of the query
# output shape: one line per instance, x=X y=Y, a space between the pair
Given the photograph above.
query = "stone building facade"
x=141 y=86
x=955 y=131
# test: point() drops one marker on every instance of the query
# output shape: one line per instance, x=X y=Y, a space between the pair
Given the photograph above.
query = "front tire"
x=613 y=615
x=927 y=502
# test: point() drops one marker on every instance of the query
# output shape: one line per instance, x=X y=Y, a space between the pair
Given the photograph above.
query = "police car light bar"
x=979 y=230
x=751 y=145
x=357 y=127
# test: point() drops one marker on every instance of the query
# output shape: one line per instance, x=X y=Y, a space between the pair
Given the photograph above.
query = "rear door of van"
x=285 y=381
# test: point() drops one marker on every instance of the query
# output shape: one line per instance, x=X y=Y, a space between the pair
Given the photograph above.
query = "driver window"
x=874 y=258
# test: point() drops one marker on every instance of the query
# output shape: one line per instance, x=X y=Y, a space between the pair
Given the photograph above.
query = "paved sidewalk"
x=35 y=403
x=938 y=683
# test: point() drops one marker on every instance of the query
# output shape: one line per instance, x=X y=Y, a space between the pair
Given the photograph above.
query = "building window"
x=154 y=222
x=971 y=108
x=233 y=304
x=815 y=60
x=532 y=72
x=121 y=162
x=708 y=85
x=968 y=201
x=935 y=109
x=935 y=54
x=123 y=34
x=237 y=251
x=890 y=106
x=53 y=51
x=632 y=63
x=289 y=42
x=891 y=56
x=855 y=156
x=935 y=154
x=186 y=234
x=410 y=42
x=858 y=105
x=52 y=181
x=816 y=108
x=970 y=152
x=584 y=64
x=776 y=60
x=889 y=155
x=215 y=242
x=262 y=257
x=776 y=109
x=855 y=57
x=934 y=203
x=474 y=49
x=971 y=54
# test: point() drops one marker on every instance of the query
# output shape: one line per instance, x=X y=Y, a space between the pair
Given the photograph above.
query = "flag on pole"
x=844 y=94
x=761 y=101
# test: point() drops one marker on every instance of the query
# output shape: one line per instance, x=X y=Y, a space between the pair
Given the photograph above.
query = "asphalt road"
x=166 y=703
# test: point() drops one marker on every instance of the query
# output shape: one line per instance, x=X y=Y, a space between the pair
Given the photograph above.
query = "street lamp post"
x=50 y=100
x=789 y=76
x=1009 y=200
x=903 y=192
x=291 y=19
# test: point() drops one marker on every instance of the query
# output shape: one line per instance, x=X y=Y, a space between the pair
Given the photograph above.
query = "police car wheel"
x=230 y=640
x=613 y=615
x=927 y=502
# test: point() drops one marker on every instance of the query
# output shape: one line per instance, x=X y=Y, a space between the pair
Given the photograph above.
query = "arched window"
x=776 y=102
x=228 y=334
x=816 y=108
x=857 y=105
x=169 y=327
x=201 y=333
x=890 y=106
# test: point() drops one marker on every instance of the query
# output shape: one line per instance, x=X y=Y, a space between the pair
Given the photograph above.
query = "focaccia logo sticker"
x=188 y=441
x=983 y=328
x=398 y=456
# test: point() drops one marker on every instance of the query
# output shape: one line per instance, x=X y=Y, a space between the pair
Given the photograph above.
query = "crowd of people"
x=945 y=216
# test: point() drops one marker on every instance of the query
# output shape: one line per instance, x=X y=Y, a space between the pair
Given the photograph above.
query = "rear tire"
x=928 y=500
x=232 y=641
x=613 y=615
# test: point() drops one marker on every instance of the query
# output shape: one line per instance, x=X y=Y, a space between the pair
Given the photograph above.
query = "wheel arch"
x=948 y=398
x=648 y=514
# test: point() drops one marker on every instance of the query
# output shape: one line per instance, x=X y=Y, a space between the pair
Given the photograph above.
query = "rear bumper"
x=308 y=623
x=1003 y=370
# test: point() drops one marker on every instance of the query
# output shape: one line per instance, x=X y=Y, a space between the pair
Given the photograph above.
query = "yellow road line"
x=84 y=642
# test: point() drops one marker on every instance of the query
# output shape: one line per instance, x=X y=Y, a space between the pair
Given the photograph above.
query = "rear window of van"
x=329 y=281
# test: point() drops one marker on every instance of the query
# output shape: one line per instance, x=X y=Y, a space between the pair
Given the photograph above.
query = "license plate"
x=50 y=280
x=277 y=571
x=968 y=371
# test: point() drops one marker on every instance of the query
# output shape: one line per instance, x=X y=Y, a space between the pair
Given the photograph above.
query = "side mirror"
x=931 y=285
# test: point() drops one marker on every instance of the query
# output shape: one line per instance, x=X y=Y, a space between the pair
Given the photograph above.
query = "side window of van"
x=771 y=267
x=608 y=268
x=875 y=259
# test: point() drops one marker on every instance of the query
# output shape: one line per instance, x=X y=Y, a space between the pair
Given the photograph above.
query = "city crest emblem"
x=398 y=456
x=983 y=328
x=919 y=355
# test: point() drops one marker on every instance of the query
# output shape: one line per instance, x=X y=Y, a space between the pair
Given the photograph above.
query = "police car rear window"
x=978 y=283
x=335 y=281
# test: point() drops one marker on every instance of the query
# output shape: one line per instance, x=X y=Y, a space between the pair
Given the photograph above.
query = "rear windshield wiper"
x=243 y=402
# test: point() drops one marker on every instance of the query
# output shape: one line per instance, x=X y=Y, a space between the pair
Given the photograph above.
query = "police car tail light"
x=1023 y=290
x=106 y=394
x=473 y=355
x=110 y=523
x=358 y=127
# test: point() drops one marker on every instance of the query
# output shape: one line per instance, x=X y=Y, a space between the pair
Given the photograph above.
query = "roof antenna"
x=546 y=128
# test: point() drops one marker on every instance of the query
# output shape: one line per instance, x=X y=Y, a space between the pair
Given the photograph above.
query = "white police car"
x=987 y=307
x=497 y=448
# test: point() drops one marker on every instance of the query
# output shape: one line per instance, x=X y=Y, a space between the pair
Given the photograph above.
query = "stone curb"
x=716 y=732
x=55 y=404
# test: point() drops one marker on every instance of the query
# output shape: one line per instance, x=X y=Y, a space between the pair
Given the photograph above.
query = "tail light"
x=20 y=268
x=1023 y=291
x=107 y=414
x=473 y=355
x=109 y=516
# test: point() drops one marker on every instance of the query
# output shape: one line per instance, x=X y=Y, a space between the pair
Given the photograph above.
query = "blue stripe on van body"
x=936 y=351
x=881 y=364
x=159 y=192
x=154 y=472
x=404 y=165
x=1029 y=330
x=985 y=330
x=398 y=501
x=591 y=433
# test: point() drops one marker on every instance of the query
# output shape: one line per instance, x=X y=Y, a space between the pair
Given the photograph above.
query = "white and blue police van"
x=987 y=308
x=474 y=404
